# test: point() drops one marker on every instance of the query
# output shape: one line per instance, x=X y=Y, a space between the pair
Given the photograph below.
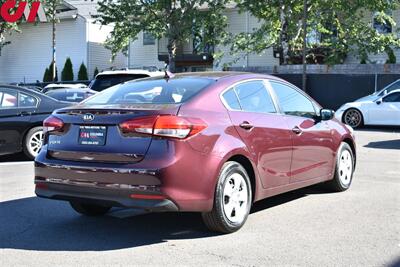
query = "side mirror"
x=326 y=114
x=379 y=101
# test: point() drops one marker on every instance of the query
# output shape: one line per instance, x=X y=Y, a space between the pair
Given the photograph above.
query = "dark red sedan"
x=211 y=142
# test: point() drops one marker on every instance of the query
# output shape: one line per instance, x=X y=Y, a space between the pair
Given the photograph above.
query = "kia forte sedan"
x=213 y=143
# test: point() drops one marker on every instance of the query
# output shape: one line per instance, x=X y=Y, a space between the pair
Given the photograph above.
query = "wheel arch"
x=359 y=110
x=250 y=169
x=352 y=145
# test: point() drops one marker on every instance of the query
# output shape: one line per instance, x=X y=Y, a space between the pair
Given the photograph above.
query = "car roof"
x=15 y=87
x=65 y=85
x=131 y=71
x=71 y=90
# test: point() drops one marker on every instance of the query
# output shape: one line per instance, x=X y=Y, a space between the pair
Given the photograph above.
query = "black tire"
x=355 y=121
x=89 y=209
x=28 y=150
x=337 y=184
x=216 y=220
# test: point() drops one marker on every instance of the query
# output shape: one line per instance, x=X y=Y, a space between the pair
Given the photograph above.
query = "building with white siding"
x=145 y=53
x=30 y=51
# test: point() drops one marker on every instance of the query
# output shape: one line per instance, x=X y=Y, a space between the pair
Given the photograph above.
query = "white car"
x=376 y=109
x=54 y=86
x=110 y=78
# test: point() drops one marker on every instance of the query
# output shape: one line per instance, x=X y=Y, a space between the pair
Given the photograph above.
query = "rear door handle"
x=297 y=130
x=246 y=125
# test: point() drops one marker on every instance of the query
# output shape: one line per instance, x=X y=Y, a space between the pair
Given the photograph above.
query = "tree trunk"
x=304 y=76
x=171 y=55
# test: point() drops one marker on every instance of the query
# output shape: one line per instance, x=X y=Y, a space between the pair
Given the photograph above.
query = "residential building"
x=77 y=36
x=147 y=51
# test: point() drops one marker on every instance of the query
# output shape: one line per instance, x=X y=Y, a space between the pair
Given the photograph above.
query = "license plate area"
x=92 y=135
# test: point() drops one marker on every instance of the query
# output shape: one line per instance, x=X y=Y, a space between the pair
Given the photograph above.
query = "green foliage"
x=337 y=27
x=67 y=74
x=96 y=71
x=47 y=76
x=82 y=74
x=51 y=73
x=391 y=56
x=177 y=21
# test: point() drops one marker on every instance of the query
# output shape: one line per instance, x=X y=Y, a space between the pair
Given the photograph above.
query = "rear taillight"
x=52 y=124
x=164 y=125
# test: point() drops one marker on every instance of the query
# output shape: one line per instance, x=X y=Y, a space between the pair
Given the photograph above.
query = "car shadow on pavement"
x=387 y=144
x=14 y=158
x=289 y=196
x=39 y=224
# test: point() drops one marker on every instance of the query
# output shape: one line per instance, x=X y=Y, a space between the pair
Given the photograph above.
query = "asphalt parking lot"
x=308 y=227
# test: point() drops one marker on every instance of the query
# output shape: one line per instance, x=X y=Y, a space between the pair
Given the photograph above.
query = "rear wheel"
x=344 y=169
x=353 y=118
x=89 y=209
x=232 y=200
x=33 y=142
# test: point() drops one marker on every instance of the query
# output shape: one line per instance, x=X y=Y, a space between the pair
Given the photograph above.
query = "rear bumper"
x=157 y=183
x=102 y=196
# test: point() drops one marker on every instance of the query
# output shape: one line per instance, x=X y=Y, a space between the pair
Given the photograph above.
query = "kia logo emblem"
x=88 y=117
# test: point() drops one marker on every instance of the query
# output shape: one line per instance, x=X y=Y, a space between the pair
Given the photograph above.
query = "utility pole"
x=305 y=6
x=54 y=5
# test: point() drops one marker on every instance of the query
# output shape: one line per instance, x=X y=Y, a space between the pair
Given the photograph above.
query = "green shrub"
x=67 y=73
x=46 y=76
x=51 y=73
x=82 y=74
x=391 y=56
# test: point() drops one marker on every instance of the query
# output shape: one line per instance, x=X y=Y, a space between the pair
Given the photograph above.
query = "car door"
x=385 y=111
x=262 y=129
x=313 y=151
x=15 y=115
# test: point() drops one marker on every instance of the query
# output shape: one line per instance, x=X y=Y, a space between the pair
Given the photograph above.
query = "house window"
x=380 y=26
x=148 y=39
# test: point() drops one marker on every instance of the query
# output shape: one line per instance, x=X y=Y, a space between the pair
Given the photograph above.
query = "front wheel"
x=232 y=200
x=89 y=209
x=344 y=169
x=353 y=118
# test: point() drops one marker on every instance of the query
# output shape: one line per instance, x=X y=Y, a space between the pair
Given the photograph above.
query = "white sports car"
x=380 y=108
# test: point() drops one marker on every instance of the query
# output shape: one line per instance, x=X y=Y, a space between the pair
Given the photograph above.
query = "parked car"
x=375 y=110
x=387 y=89
x=71 y=94
x=54 y=86
x=110 y=78
x=22 y=112
x=212 y=142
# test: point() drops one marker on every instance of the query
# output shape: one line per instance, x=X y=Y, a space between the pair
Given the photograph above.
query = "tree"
x=96 y=71
x=47 y=76
x=334 y=29
x=177 y=21
x=67 y=74
x=82 y=74
x=55 y=79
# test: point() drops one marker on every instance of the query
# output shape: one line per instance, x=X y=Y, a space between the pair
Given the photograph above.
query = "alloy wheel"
x=353 y=118
x=35 y=142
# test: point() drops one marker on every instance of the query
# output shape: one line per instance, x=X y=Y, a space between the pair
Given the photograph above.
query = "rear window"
x=105 y=81
x=158 y=91
x=72 y=96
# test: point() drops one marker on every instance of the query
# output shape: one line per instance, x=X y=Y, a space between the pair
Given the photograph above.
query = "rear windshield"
x=69 y=96
x=158 y=91
x=105 y=81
